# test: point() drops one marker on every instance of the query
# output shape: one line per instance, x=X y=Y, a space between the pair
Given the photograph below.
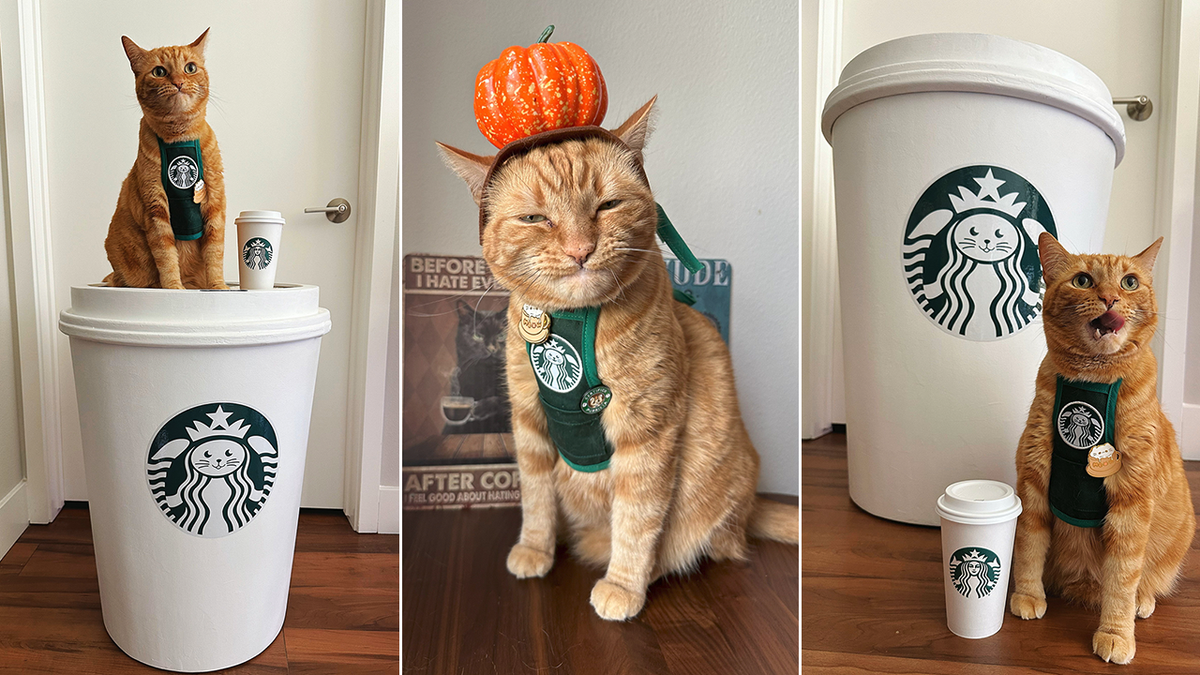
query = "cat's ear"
x=471 y=168
x=1055 y=259
x=1146 y=258
x=135 y=53
x=636 y=129
x=201 y=41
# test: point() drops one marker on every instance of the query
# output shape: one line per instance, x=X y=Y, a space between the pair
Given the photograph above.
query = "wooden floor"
x=465 y=614
x=342 y=614
x=874 y=602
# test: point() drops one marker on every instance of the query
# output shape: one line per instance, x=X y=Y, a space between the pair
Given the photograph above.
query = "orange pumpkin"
x=547 y=86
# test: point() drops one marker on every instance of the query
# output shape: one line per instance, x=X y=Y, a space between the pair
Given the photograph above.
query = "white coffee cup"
x=979 y=521
x=259 y=234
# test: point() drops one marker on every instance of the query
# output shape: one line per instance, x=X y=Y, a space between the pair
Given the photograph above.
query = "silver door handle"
x=337 y=211
x=1138 y=108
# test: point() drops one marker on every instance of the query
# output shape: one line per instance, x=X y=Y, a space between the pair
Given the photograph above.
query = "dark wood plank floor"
x=342 y=615
x=465 y=614
x=873 y=599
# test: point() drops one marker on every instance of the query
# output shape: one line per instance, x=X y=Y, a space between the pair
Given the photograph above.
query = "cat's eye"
x=208 y=453
x=974 y=232
x=159 y=71
x=1130 y=283
x=229 y=453
x=610 y=204
x=189 y=68
x=1081 y=281
x=533 y=218
x=477 y=337
x=999 y=235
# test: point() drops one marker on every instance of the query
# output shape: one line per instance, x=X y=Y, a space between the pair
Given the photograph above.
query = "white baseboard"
x=389 y=509
x=14 y=517
x=1189 y=431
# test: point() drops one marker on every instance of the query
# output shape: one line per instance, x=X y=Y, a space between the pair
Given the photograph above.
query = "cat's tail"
x=774 y=520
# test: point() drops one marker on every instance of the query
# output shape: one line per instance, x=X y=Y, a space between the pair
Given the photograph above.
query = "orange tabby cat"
x=1100 y=313
x=144 y=250
x=572 y=224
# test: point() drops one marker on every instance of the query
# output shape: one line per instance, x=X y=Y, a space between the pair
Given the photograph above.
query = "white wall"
x=723 y=161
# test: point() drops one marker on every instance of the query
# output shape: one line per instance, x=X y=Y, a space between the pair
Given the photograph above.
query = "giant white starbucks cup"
x=194 y=411
x=952 y=153
x=979 y=523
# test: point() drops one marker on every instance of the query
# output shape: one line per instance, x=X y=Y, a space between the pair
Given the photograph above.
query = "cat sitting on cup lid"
x=168 y=230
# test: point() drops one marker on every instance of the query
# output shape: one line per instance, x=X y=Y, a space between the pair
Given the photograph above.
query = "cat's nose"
x=579 y=250
x=1109 y=302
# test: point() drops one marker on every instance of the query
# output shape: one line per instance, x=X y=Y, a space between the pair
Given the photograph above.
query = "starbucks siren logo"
x=974 y=571
x=257 y=253
x=970 y=252
x=557 y=364
x=211 y=468
x=1080 y=425
x=183 y=172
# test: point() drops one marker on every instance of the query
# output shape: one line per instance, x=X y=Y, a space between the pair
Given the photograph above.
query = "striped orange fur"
x=141 y=246
x=1135 y=557
x=681 y=484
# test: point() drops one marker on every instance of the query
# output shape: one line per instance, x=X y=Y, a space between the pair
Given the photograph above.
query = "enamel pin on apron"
x=1103 y=460
x=198 y=194
x=535 y=325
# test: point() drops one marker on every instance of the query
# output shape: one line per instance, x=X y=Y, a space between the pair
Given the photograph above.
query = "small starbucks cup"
x=259 y=233
x=979 y=521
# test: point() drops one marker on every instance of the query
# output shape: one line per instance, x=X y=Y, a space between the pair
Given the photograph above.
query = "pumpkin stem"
x=546 y=34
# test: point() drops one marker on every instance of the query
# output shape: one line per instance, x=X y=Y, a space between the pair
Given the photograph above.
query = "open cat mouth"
x=1106 y=324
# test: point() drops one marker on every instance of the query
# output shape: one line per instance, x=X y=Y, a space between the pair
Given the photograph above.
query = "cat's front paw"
x=525 y=562
x=1027 y=606
x=1112 y=647
x=219 y=286
x=616 y=603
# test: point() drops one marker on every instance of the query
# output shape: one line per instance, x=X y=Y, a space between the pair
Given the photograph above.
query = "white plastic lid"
x=979 y=502
x=979 y=63
x=155 y=317
x=252 y=216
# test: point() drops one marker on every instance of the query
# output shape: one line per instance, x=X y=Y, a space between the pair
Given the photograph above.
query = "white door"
x=1120 y=41
x=286 y=79
x=14 y=514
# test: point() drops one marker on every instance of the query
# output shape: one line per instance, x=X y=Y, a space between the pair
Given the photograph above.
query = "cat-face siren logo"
x=970 y=252
x=557 y=364
x=183 y=172
x=974 y=571
x=257 y=253
x=1080 y=425
x=211 y=467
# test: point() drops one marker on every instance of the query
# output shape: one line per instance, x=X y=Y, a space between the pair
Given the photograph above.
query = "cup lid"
x=259 y=215
x=979 y=502
x=975 y=63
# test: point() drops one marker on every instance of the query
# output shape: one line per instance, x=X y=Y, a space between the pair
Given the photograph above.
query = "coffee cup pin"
x=1103 y=460
x=535 y=325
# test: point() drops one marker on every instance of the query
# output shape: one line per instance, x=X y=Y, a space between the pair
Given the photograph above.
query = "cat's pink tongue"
x=1112 y=321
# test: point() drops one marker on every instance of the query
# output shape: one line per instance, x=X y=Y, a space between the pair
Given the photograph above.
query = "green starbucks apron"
x=570 y=388
x=182 y=170
x=1084 y=417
